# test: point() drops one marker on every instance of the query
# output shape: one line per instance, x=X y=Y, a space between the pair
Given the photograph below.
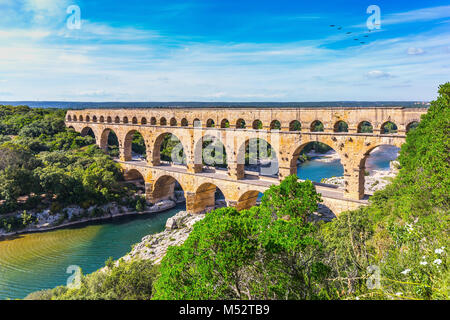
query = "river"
x=37 y=261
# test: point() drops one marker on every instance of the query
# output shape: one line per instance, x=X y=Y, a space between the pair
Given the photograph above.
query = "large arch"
x=317 y=160
x=207 y=198
x=258 y=155
x=134 y=179
x=175 y=148
x=365 y=127
x=109 y=142
x=166 y=187
x=87 y=131
x=247 y=200
x=209 y=151
x=136 y=146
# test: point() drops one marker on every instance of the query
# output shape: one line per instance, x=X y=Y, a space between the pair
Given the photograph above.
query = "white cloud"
x=414 y=51
x=425 y=14
x=377 y=74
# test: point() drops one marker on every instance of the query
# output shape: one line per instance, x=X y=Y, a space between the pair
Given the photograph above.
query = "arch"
x=102 y=119
x=207 y=198
x=166 y=187
x=247 y=200
x=69 y=118
x=75 y=118
x=240 y=124
x=153 y=121
x=210 y=123
x=125 y=120
x=295 y=126
x=81 y=118
x=88 y=119
x=143 y=121
x=340 y=126
x=71 y=128
x=365 y=127
x=94 y=119
x=197 y=122
x=173 y=122
x=184 y=122
x=110 y=142
x=275 y=125
x=389 y=128
x=412 y=125
x=210 y=151
x=257 y=124
x=109 y=119
x=168 y=147
x=134 y=142
x=87 y=131
x=317 y=126
x=316 y=160
x=257 y=155
x=162 y=121
x=134 y=120
x=117 y=119
x=135 y=181
x=224 y=123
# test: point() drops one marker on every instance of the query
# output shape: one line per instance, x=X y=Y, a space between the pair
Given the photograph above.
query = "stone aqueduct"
x=234 y=127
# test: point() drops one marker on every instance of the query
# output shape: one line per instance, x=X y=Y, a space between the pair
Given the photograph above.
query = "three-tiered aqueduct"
x=235 y=127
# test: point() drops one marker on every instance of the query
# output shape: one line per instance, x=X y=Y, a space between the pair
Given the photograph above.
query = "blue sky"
x=221 y=50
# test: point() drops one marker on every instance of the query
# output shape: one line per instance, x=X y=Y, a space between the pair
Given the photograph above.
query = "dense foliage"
x=43 y=164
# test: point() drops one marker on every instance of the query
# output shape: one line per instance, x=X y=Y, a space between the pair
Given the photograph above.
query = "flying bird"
x=362 y=42
x=356 y=39
x=349 y=32
x=332 y=25
x=339 y=28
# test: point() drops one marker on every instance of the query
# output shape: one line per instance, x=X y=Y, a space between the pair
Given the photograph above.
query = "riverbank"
x=75 y=215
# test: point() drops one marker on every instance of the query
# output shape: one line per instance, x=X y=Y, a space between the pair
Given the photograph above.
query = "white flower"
x=357 y=298
x=424 y=263
x=437 y=261
x=423 y=257
x=439 y=251
x=399 y=293
x=406 y=271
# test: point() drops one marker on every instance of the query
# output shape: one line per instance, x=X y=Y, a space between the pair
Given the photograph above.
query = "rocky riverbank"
x=46 y=220
x=376 y=180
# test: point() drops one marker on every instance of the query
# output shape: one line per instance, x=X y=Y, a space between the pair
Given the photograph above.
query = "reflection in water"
x=39 y=261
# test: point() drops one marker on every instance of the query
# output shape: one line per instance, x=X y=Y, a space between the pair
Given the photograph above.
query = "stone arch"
x=88 y=131
x=184 y=122
x=225 y=123
x=81 y=118
x=240 y=124
x=295 y=125
x=173 y=122
x=365 y=127
x=109 y=119
x=156 y=151
x=88 y=119
x=275 y=125
x=94 y=119
x=164 y=188
x=340 y=126
x=294 y=159
x=104 y=138
x=388 y=127
x=162 y=121
x=153 y=121
x=71 y=128
x=127 y=144
x=134 y=120
x=316 y=126
x=207 y=156
x=257 y=124
x=247 y=200
x=102 y=119
x=197 y=122
x=205 y=198
x=117 y=119
x=267 y=166
x=412 y=125
x=136 y=177
x=144 y=121
x=69 y=118
x=210 y=123
x=125 y=120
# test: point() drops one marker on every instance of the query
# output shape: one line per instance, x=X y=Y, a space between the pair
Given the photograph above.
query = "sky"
x=218 y=50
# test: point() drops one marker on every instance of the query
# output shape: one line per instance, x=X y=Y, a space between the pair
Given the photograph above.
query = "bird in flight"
x=332 y=25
